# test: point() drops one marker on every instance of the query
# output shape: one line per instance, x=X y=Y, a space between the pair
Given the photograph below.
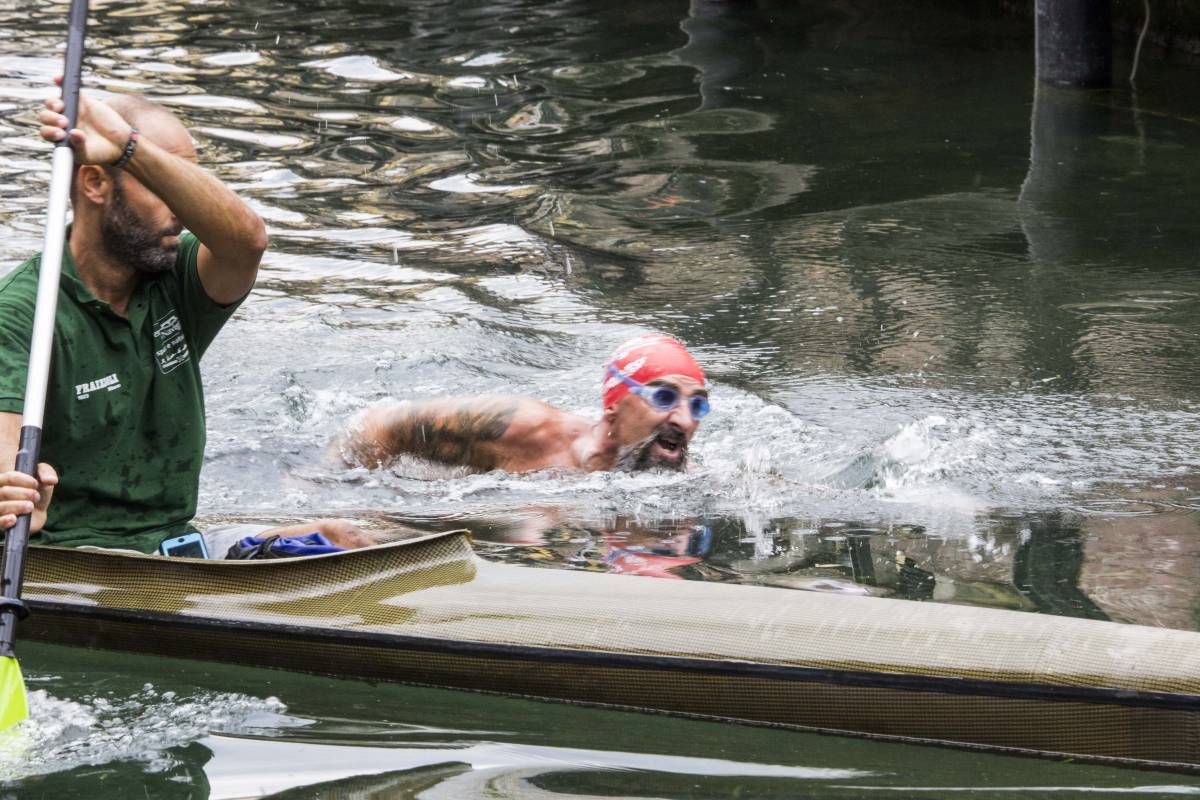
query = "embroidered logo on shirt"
x=84 y=390
x=170 y=345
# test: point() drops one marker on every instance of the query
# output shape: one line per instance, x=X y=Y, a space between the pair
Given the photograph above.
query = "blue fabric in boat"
x=309 y=544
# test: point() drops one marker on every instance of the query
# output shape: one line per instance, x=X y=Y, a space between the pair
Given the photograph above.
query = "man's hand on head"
x=20 y=494
x=100 y=133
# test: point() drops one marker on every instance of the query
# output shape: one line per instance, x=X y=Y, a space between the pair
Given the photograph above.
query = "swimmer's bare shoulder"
x=483 y=433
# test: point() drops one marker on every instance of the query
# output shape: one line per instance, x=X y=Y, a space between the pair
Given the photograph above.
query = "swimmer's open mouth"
x=667 y=448
x=670 y=444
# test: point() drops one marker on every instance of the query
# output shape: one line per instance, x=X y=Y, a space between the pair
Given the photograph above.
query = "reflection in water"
x=1047 y=566
x=1101 y=562
x=354 y=739
x=724 y=47
x=470 y=772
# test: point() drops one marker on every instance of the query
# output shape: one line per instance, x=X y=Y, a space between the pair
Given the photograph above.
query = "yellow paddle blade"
x=13 y=708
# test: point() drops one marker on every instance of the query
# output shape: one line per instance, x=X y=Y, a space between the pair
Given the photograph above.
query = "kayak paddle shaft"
x=62 y=169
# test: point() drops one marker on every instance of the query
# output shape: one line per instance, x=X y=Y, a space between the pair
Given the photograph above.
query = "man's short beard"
x=128 y=240
x=640 y=455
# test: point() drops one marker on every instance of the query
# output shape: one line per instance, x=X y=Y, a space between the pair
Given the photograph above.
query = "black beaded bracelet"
x=130 y=146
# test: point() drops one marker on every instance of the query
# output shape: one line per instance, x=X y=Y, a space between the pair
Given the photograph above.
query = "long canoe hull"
x=428 y=612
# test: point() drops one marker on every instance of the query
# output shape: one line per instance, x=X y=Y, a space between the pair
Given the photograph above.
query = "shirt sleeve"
x=16 y=333
x=202 y=317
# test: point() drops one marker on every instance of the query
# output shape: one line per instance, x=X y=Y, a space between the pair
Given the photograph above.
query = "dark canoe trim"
x=600 y=658
x=924 y=741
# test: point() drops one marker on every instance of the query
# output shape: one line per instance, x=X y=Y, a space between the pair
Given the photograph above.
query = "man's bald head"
x=154 y=121
x=136 y=109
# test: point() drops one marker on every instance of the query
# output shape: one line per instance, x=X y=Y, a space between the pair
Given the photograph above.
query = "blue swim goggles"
x=662 y=398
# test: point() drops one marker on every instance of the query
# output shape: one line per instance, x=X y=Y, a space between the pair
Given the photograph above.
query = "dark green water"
x=951 y=322
x=349 y=739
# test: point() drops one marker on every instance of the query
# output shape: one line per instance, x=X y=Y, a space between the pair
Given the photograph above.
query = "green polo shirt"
x=124 y=422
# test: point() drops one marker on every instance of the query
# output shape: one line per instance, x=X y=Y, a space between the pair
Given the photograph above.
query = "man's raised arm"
x=231 y=235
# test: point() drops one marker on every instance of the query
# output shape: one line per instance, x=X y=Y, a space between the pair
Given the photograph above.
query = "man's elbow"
x=243 y=249
x=238 y=255
x=256 y=238
x=245 y=260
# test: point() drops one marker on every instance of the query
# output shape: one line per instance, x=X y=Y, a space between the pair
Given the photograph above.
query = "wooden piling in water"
x=1074 y=42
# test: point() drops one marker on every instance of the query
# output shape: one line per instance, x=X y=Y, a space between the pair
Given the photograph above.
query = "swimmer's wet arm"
x=479 y=433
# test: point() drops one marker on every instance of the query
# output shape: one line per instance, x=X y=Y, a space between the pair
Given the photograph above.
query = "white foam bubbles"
x=142 y=727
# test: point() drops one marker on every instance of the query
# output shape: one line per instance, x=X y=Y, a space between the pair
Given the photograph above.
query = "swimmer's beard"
x=639 y=456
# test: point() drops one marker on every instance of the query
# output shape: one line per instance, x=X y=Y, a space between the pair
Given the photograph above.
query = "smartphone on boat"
x=190 y=545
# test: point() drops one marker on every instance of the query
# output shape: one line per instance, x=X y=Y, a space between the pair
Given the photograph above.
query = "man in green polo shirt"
x=140 y=302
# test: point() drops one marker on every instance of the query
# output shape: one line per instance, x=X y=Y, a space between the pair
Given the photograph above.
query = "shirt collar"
x=70 y=282
x=76 y=289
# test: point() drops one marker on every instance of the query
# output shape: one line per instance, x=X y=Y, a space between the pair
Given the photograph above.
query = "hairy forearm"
x=219 y=218
x=466 y=433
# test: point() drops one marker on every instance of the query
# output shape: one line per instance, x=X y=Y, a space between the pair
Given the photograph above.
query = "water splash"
x=100 y=729
x=919 y=462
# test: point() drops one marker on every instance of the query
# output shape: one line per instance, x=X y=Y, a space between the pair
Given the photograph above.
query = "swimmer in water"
x=654 y=396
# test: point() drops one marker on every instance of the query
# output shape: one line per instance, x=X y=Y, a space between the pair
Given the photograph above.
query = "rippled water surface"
x=223 y=732
x=951 y=322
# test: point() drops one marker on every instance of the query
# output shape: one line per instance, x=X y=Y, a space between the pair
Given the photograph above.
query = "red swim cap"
x=645 y=358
